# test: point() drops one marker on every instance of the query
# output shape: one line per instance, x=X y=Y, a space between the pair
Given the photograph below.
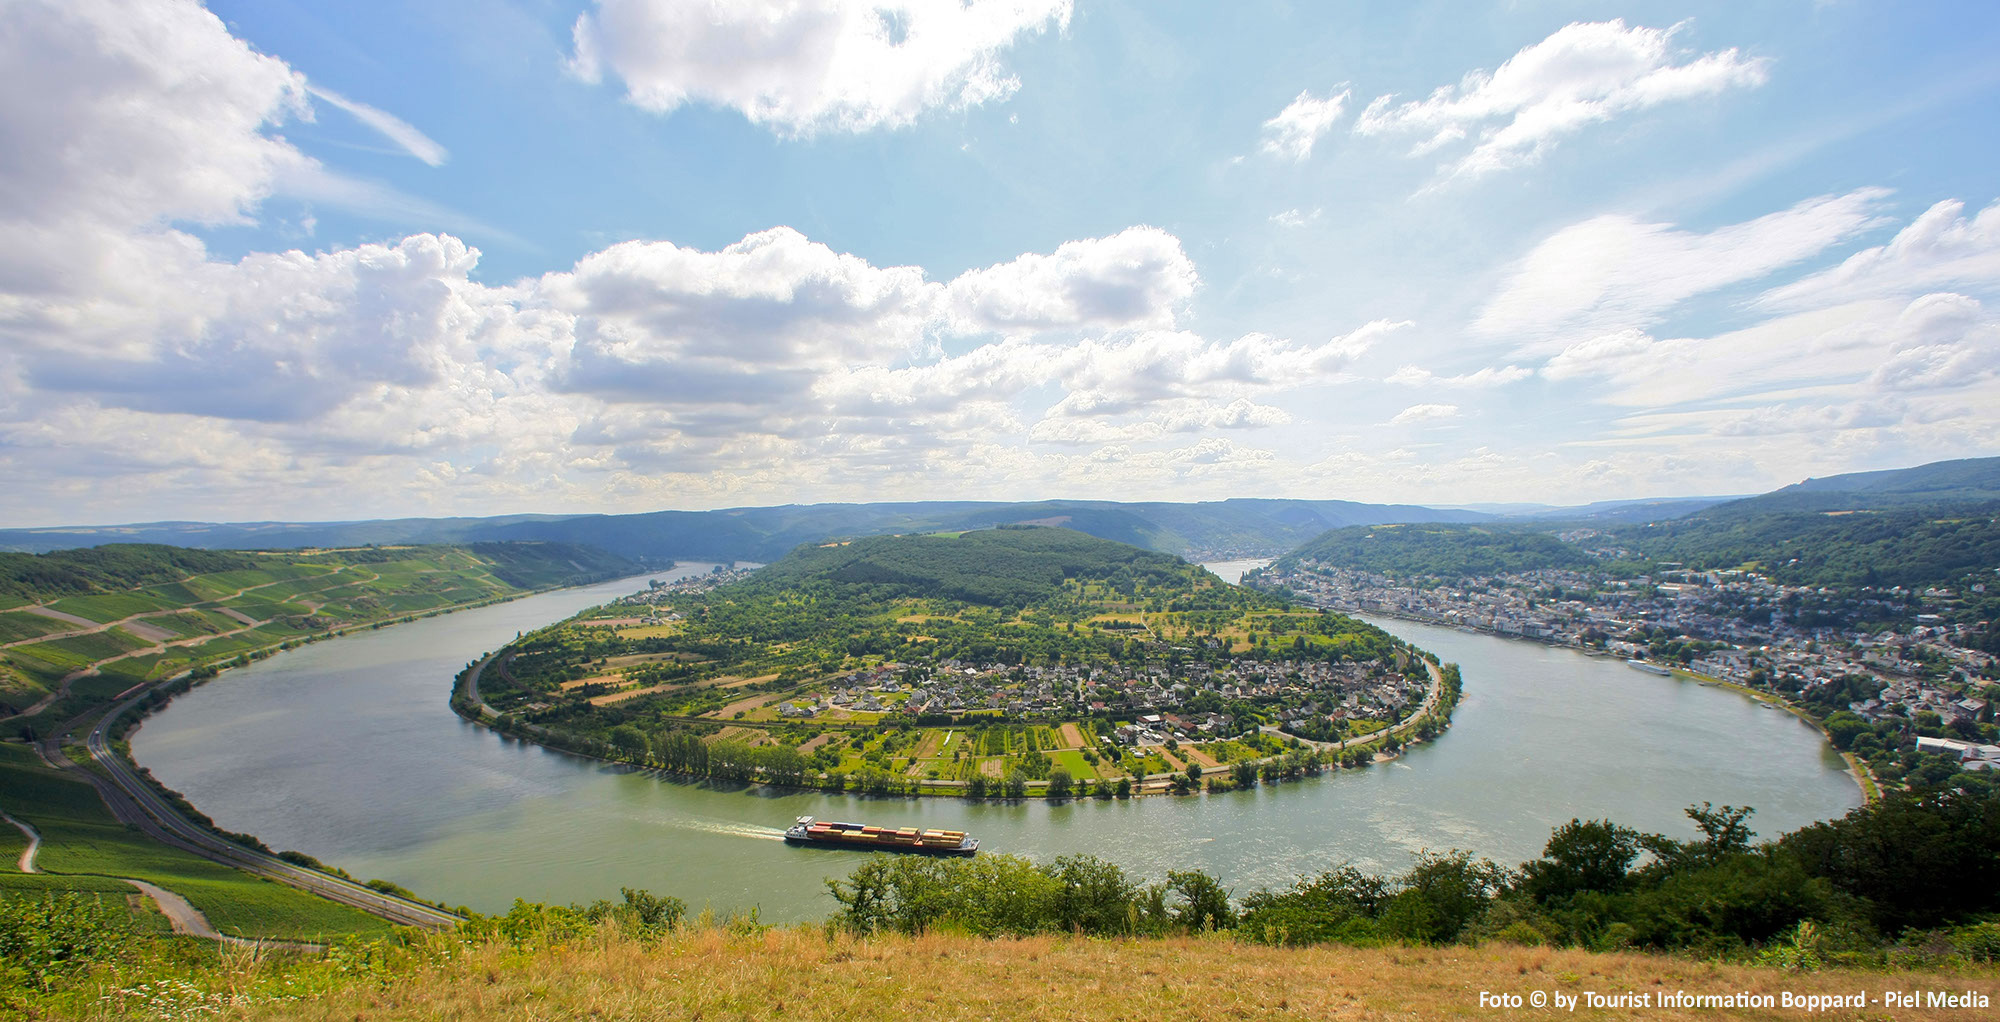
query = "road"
x=133 y=801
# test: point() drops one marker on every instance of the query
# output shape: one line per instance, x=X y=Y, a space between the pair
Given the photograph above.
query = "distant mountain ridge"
x=1966 y=482
x=1936 y=524
x=1249 y=527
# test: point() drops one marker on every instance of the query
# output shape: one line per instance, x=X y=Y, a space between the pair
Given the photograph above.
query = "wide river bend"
x=347 y=750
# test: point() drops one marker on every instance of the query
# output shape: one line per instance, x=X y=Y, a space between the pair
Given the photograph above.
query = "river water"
x=347 y=750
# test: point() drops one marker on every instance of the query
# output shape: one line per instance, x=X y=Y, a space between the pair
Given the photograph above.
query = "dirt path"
x=182 y=916
x=34 y=842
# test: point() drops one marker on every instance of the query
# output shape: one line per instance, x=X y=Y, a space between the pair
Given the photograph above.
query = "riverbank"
x=1864 y=778
x=1856 y=766
x=1428 y=721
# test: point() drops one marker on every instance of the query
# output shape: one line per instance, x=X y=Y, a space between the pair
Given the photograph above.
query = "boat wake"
x=732 y=829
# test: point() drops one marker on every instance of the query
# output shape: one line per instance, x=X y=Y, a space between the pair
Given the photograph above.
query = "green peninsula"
x=1001 y=662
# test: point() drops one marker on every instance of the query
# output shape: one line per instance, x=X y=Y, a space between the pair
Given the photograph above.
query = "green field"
x=16 y=625
x=83 y=845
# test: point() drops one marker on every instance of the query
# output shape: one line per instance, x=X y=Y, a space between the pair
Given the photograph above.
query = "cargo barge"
x=807 y=831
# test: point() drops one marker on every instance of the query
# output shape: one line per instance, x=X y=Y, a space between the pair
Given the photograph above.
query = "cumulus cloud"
x=1582 y=74
x=1615 y=272
x=753 y=322
x=1135 y=278
x=806 y=66
x=1291 y=134
x=1113 y=375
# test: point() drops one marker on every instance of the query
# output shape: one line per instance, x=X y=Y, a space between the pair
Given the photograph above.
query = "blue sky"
x=338 y=260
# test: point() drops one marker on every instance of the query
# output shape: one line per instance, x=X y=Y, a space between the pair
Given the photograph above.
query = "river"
x=348 y=751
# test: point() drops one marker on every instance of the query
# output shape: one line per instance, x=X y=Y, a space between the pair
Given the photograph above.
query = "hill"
x=1445 y=551
x=1934 y=525
x=1968 y=483
x=80 y=626
x=1013 y=566
x=1241 y=527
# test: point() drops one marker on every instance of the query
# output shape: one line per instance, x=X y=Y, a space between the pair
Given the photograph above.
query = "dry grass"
x=803 y=975
x=1072 y=737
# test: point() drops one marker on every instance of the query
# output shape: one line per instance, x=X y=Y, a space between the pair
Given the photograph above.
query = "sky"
x=276 y=259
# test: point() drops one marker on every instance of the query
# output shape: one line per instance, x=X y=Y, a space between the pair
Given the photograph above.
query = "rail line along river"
x=348 y=751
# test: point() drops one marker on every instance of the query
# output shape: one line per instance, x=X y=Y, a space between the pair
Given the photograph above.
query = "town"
x=1882 y=670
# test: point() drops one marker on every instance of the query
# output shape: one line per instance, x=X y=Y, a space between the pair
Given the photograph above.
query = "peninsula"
x=1010 y=662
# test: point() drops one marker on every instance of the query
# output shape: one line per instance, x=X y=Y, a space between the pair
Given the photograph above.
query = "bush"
x=44 y=939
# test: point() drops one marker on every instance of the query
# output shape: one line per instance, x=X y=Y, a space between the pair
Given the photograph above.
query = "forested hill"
x=1911 y=547
x=1963 y=485
x=1446 y=551
x=119 y=567
x=33 y=578
x=1015 y=566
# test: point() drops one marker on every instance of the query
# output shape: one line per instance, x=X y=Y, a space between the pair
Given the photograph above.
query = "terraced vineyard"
x=80 y=627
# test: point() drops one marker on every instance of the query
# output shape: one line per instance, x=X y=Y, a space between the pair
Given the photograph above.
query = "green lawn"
x=79 y=836
x=1072 y=760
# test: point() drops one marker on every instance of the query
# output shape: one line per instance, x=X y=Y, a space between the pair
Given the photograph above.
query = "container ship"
x=807 y=831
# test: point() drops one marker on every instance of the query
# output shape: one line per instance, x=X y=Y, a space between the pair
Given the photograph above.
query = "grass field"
x=80 y=838
x=807 y=975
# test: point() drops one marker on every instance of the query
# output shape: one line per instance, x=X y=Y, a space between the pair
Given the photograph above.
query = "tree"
x=976 y=788
x=1124 y=787
x=1204 y=902
x=1059 y=783
x=1595 y=855
x=1016 y=785
x=1194 y=773
x=630 y=740
x=1843 y=726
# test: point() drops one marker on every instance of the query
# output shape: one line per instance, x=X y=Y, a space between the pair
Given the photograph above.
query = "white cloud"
x=1941 y=248
x=1580 y=75
x=805 y=66
x=1940 y=341
x=1424 y=413
x=1296 y=217
x=1114 y=375
x=1135 y=278
x=1291 y=134
x=1168 y=418
x=754 y=322
x=1614 y=272
x=1490 y=376
x=388 y=125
